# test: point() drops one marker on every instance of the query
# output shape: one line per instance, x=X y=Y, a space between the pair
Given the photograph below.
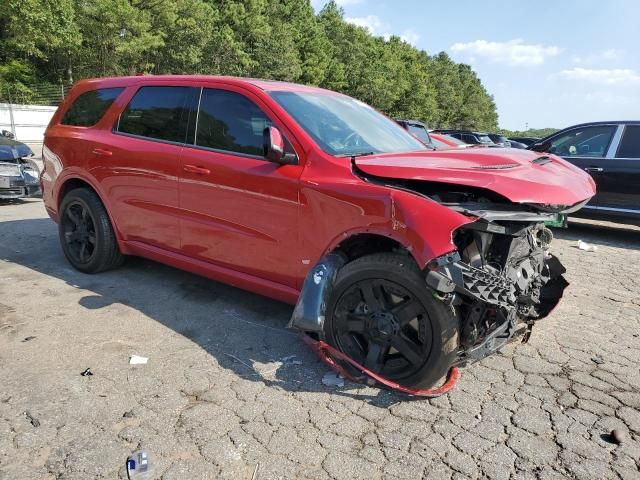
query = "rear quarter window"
x=89 y=107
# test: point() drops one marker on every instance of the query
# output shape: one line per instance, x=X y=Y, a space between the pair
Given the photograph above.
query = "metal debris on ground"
x=33 y=420
x=597 y=360
x=138 y=360
x=30 y=337
x=332 y=379
x=139 y=465
x=587 y=247
x=87 y=372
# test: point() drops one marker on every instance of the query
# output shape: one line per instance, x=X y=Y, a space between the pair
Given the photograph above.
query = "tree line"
x=57 y=42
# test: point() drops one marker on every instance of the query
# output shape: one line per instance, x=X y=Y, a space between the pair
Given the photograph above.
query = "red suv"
x=408 y=260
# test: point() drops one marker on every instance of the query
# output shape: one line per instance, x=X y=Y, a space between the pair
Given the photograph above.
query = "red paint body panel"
x=508 y=172
x=261 y=225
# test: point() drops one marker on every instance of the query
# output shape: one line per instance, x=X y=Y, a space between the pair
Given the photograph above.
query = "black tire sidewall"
x=105 y=237
x=402 y=270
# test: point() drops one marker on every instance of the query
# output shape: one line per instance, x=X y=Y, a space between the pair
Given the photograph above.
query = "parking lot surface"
x=229 y=392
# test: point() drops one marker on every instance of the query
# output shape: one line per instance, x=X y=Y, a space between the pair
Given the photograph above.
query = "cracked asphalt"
x=228 y=392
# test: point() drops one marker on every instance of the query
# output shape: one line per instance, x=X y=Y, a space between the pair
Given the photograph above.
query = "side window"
x=230 y=121
x=158 y=112
x=584 y=142
x=630 y=144
x=90 y=106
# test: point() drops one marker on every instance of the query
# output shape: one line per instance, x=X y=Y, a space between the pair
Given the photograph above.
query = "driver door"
x=239 y=210
x=587 y=147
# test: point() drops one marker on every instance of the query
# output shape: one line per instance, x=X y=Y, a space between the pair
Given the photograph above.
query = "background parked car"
x=19 y=175
x=499 y=140
x=446 y=142
x=610 y=152
x=519 y=145
x=526 y=140
x=417 y=129
x=468 y=136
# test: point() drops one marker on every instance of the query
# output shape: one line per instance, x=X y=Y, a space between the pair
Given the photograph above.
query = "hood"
x=12 y=150
x=521 y=176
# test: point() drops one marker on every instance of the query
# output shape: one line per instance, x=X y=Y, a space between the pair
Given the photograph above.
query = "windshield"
x=343 y=126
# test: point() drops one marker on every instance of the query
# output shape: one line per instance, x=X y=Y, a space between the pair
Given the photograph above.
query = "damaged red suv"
x=408 y=260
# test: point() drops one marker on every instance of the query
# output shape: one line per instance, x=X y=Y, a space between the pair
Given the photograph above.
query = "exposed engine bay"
x=502 y=278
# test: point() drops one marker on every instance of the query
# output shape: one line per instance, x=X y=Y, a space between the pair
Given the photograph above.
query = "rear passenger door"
x=138 y=163
x=619 y=177
x=239 y=210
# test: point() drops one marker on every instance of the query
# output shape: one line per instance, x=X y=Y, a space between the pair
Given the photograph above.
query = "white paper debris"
x=138 y=360
x=587 y=247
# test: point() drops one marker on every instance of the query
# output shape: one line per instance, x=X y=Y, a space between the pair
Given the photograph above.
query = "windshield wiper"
x=356 y=155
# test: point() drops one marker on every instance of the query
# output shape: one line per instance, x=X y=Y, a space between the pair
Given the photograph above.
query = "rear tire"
x=383 y=315
x=86 y=234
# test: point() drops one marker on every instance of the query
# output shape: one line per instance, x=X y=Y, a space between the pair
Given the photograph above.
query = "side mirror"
x=274 y=146
x=7 y=133
x=540 y=147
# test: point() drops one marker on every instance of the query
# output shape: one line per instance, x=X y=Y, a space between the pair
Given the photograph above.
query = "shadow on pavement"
x=609 y=234
x=245 y=332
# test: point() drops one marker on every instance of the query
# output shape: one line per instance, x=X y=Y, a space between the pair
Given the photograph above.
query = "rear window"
x=160 y=113
x=89 y=107
x=630 y=145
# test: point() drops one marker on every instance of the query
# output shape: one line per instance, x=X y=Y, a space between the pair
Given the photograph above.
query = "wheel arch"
x=358 y=244
x=73 y=182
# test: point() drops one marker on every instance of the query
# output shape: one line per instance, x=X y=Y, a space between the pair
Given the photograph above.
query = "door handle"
x=197 y=170
x=593 y=169
x=101 y=152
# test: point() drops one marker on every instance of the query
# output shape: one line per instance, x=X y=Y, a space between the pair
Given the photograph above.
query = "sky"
x=546 y=63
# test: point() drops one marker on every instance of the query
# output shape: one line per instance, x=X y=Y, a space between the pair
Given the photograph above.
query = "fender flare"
x=310 y=310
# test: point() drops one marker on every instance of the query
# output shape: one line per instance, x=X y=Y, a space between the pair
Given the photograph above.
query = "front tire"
x=383 y=315
x=86 y=234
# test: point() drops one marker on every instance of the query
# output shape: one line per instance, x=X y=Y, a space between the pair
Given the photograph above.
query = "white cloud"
x=379 y=28
x=370 y=22
x=602 y=76
x=608 y=55
x=410 y=36
x=513 y=52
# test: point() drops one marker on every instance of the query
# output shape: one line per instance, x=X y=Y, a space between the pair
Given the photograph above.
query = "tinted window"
x=89 y=107
x=630 y=145
x=583 y=142
x=230 y=121
x=158 y=112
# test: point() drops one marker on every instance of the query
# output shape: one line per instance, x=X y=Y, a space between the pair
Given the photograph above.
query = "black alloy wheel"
x=383 y=315
x=86 y=234
x=79 y=232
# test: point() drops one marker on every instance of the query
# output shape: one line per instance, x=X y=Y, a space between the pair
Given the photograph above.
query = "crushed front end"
x=501 y=278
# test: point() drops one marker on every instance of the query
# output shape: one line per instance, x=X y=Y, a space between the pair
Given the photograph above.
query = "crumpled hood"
x=12 y=150
x=522 y=176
